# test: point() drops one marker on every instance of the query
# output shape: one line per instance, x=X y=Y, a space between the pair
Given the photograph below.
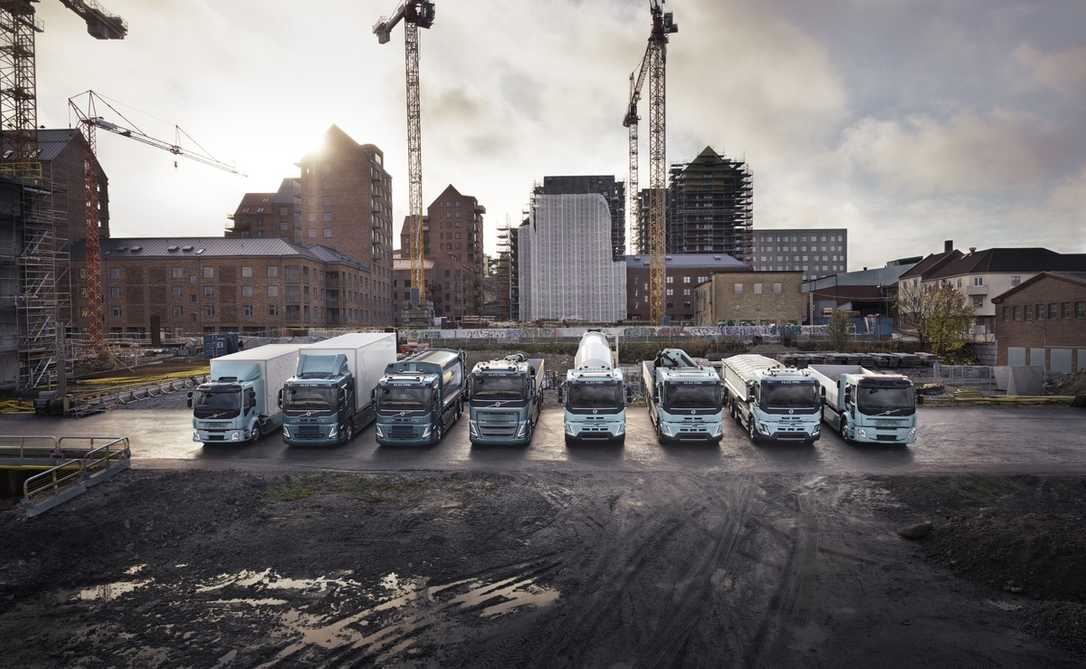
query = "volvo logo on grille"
x=403 y=413
x=595 y=411
x=791 y=411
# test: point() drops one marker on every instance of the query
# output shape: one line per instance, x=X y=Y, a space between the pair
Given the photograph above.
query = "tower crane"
x=654 y=68
x=85 y=107
x=415 y=14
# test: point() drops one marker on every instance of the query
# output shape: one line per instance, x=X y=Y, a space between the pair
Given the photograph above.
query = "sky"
x=908 y=122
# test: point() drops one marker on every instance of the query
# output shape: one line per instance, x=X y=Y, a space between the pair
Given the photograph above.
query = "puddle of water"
x=269 y=580
x=1004 y=605
x=266 y=601
x=134 y=569
x=105 y=592
x=410 y=607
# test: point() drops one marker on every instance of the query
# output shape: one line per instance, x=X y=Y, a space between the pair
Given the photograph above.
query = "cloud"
x=968 y=152
x=1064 y=71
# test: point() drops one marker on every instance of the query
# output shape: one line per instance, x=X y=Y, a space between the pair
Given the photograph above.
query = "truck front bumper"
x=319 y=434
x=878 y=435
x=218 y=436
x=685 y=430
x=504 y=433
x=404 y=434
x=600 y=430
x=792 y=432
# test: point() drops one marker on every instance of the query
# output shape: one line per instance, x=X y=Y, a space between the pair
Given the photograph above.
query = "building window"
x=117 y=273
x=273 y=272
x=671 y=279
x=273 y=291
x=178 y=291
x=177 y=272
x=1054 y=311
x=273 y=310
x=978 y=301
x=686 y=279
x=328 y=233
x=1028 y=311
x=115 y=292
x=1041 y=312
x=1015 y=313
x=738 y=289
x=1080 y=310
x=209 y=291
x=246 y=272
x=247 y=311
x=209 y=272
x=209 y=311
x=757 y=289
x=978 y=281
x=115 y=311
x=178 y=311
x=1015 y=280
x=670 y=292
x=777 y=289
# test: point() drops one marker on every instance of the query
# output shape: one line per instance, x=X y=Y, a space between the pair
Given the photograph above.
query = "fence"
x=742 y=333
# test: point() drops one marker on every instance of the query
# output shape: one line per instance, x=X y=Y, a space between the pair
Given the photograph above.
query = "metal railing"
x=22 y=448
x=74 y=476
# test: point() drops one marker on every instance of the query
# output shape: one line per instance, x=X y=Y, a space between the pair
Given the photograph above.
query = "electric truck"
x=330 y=398
x=240 y=401
x=420 y=397
x=594 y=394
x=685 y=399
x=771 y=401
x=505 y=398
x=866 y=406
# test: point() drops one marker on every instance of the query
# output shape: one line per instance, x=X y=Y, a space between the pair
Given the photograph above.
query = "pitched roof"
x=1033 y=259
x=930 y=263
x=53 y=141
x=845 y=293
x=212 y=247
x=1078 y=278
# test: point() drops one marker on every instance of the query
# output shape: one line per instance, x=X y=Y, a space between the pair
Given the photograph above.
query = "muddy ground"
x=547 y=569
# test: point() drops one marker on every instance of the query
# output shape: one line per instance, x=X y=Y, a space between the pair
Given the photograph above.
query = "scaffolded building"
x=566 y=267
x=710 y=207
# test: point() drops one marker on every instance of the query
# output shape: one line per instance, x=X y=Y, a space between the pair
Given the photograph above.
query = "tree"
x=839 y=328
x=938 y=312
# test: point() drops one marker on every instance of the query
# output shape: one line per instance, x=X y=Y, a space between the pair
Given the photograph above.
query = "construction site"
x=363 y=424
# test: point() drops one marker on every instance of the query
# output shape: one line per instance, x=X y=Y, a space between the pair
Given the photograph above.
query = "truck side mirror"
x=561 y=395
x=280 y=398
x=822 y=391
x=629 y=395
x=188 y=399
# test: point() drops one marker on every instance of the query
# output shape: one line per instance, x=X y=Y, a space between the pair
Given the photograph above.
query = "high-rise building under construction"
x=614 y=192
x=710 y=208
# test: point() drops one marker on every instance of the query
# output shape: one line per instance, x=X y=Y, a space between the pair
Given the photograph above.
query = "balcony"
x=976 y=290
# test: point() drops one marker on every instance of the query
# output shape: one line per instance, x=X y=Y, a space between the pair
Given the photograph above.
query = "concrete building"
x=277 y=214
x=868 y=292
x=710 y=208
x=565 y=262
x=814 y=251
x=346 y=205
x=755 y=298
x=981 y=275
x=401 y=279
x=684 y=273
x=452 y=239
x=1041 y=322
x=612 y=191
x=194 y=285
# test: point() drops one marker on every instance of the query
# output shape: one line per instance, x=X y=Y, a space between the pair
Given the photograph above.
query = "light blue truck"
x=420 y=397
x=685 y=399
x=773 y=402
x=594 y=394
x=505 y=398
x=240 y=401
x=331 y=397
x=865 y=406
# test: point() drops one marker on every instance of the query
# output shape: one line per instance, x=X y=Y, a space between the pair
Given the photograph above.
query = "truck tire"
x=844 y=432
x=348 y=433
x=439 y=433
x=570 y=441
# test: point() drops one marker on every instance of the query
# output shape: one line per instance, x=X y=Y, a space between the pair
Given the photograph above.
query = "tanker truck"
x=505 y=398
x=420 y=397
x=594 y=393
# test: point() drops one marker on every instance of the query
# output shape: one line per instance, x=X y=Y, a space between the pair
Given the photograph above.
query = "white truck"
x=594 y=393
x=330 y=398
x=240 y=402
x=771 y=401
x=867 y=406
x=685 y=399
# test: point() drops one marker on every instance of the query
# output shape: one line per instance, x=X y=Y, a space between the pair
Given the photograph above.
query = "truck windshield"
x=596 y=396
x=217 y=403
x=406 y=398
x=299 y=399
x=693 y=396
x=493 y=387
x=886 y=400
x=789 y=396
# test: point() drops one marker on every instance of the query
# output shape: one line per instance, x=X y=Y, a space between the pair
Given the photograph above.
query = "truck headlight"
x=195 y=435
x=334 y=431
x=473 y=427
x=427 y=431
x=667 y=429
x=522 y=431
x=862 y=433
x=380 y=432
x=286 y=432
x=763 y=428
x=912 y=434
x=235 y=436
x=569 y=430
x=621 y=428
x=714 y=429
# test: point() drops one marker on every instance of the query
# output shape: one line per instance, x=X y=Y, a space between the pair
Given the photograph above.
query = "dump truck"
x=594 y=392
x=866 y=406
x=685 y=399
x=505 y=398
x=420 y=397
x=771 y=401
x=240 y=401
x=330 y=397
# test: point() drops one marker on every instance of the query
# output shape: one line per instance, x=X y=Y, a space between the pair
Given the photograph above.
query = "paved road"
x=991 y=439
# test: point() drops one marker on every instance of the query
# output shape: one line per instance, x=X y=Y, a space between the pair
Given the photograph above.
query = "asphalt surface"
x=974 y=439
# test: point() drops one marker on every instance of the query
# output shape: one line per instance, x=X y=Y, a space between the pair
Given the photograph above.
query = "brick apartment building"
x=277 y=214
x=1041 y=322
x=452 y=239
x=684 y=273
x=210 y=284
x=758 y=298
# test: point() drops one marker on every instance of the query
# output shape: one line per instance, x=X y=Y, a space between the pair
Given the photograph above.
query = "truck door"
x=249 y=404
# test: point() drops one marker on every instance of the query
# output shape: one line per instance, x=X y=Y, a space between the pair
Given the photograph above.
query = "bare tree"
x=839 y=328
x=938 y=312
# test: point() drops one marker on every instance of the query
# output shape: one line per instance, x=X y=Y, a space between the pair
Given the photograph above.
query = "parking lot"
x=976 y=439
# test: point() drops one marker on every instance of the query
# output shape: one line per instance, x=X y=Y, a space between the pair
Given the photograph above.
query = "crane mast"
x=654 y=68
x=415 y=14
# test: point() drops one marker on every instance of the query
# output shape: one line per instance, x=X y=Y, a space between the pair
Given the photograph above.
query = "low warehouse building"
x=1041 y=322
x=757 y=298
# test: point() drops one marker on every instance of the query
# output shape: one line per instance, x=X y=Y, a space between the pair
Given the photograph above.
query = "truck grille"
x=401 y=431
x=308 y=431
x=887 y=437
x=891 y=423
x=498 y=429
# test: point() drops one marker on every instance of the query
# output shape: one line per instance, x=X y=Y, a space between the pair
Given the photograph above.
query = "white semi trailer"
x=867 y=406
x=771 y=401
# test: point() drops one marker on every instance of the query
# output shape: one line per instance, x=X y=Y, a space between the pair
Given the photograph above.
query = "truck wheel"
x=348 y=433
x=570 y=440
x=439 y=433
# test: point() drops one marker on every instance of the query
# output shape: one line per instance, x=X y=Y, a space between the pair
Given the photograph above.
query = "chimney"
x=948 y=246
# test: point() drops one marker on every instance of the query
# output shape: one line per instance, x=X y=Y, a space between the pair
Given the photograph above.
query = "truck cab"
x=227 y=410
x=505 y=398
x=319 y=402
x=685 y=400
x=420 y=398
x=868 y=407
x=773 y=402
